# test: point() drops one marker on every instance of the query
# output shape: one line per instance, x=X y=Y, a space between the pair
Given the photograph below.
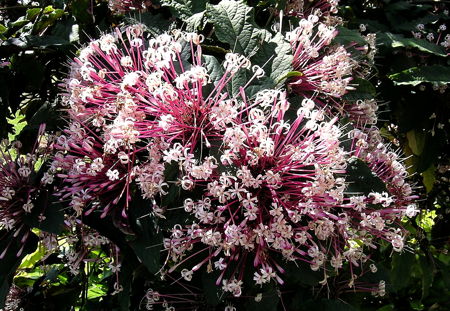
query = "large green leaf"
x=238 y=81
x=147 y=242
x=269 y=301
x=416 y=141
x=184 y=9
x=395 y=41
x=195 y=21
x=416 y=75
x=363 y=90
x=234 y=24
x=429 y=178
x=402 y=265
x=349 y=36
x=428 y=271
x=125 y=279
x=214 y=68
x=12 y=258
x=362 y=179
x=80 y=10
x=156 y=24
x=275 y=57
x=53 y=212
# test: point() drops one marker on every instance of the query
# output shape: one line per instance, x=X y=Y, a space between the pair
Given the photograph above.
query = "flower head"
x=129 y=99
x=278 y=190
x=22 y=183
x=325 y=70
x=123 y=6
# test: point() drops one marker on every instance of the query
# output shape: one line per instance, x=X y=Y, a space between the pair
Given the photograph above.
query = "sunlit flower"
x=324 y=69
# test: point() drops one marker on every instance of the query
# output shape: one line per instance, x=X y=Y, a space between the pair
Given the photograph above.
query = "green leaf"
x=49 y=18
x=349 y=36
x=31 y=259
x=402 y=265
x=361 y=178
x=234 y=24
x=409 y=25
x=67 y=30
x=238 y=81
x=80 y=9
x=282 y=62
x=96 y=290
x=214 y=68
x=429 y=178
x=11 y=259
x=291 y=74
x=269 y=302
x=275 y=57
x=416 y=75
x=185 y=9
x=195 y=21
x=426 y=220
x=210 y=289
x=147 y=242
x=156 y=24
x=396 y=41
x=427 y=275
x=416 y=141
x=20 y=22
x=32 y=13
x=363 y=90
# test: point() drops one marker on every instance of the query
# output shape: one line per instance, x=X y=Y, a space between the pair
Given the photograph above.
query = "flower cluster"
x=438 y=37
x=123 y=6
x=23 y=183
x=128 y=103
x=262 y=181
x=20 y=183
x=303 y=8
x=325 y=69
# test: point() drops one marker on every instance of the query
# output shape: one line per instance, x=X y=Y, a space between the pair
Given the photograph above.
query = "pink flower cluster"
x=325 y=69
x=21 y=185
x=306 y=7
x=123 y=6
x=262 y=181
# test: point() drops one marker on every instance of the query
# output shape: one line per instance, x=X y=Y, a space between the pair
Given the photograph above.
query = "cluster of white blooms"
x=304 y=8
x=436 y=36
x=124 y=6
x=362 y=112
x=19 y=187
x=325 y=69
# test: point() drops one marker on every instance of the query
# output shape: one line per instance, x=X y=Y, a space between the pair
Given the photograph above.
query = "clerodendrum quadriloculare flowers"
x=325 y=69
x=123 y=6
x=21 y=185
x=262 y=181
x=303 y=8
x=129 y=100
